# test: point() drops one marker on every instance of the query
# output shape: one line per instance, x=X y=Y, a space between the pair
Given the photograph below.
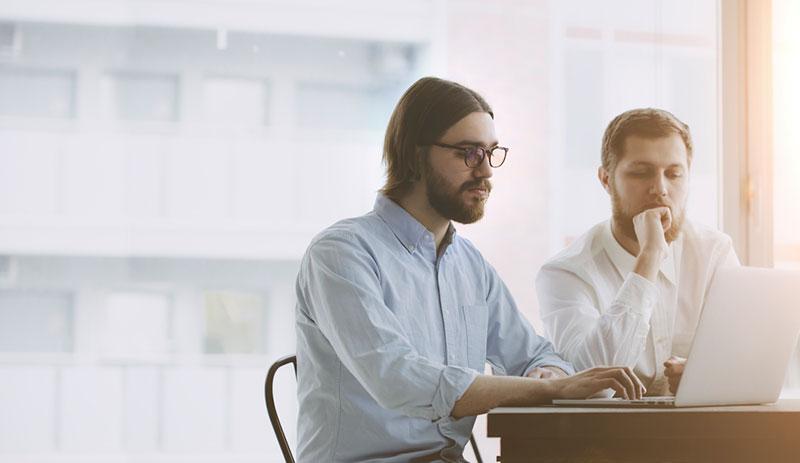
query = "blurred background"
x=164 y=163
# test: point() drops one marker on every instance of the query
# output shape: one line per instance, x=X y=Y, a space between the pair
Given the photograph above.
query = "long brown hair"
x=424 y=113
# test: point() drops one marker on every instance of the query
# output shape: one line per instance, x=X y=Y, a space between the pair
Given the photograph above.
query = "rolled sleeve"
x=453 y=383
x=556 y=361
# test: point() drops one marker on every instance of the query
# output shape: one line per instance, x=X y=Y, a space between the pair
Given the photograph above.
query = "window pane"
x=136 y=324
x=331 y=106
x=33 y=321
x=36 y=92
x=786 y=188
x=235 y=102
x=142 y=97
x=234 y=323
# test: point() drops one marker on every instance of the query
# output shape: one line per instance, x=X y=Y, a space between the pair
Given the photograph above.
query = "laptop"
x=741 y=350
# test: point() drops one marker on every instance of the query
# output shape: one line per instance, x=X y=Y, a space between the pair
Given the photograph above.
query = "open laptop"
x=745 y=337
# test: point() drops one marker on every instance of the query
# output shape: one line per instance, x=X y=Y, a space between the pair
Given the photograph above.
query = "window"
x=234 y=323
x=236 y=102
x=137 y=96
x=173 y=252
x=136 y=324
x=28 y=92
x=334 y=106
x=35 y=321
x=786 y=169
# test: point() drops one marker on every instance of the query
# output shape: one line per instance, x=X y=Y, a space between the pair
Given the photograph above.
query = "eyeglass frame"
x=484 y=153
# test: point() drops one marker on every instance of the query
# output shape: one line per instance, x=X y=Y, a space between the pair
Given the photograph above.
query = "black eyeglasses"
x=474 y=155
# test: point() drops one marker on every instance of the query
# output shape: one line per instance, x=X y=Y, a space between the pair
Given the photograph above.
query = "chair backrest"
x=269 y=398
x=275 y=420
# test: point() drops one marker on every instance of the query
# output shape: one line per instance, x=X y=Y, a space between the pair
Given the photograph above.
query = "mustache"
x=483 y=184
x=656 y=204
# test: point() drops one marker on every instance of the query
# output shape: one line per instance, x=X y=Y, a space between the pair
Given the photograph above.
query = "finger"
x=673 y=385
x=639 y=384
x=626 y=378
x=536 y=373
x=666 y=218
x=621 y=377
x=612 y=383
x=630 y=381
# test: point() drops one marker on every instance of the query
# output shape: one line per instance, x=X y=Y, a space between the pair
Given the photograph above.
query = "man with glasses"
x=397 y=314
x=630 y=290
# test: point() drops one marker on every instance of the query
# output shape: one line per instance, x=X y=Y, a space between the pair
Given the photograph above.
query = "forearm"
x=615 y=337
x=648 y=263
x=487 y=392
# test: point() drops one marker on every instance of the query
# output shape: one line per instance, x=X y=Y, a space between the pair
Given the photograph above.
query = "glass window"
x=35 y=321
x=235 y=102
x=786 y=188
x=193 y=208
x=136 y=324
x=336 y=106
x=30 y=92
x=607 y=64
x=138 y=96
x=234 y=323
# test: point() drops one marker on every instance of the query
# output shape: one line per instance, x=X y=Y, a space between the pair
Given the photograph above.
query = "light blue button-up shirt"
x=389 y=336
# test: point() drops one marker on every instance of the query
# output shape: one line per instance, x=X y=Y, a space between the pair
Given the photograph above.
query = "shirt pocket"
x=476 y=320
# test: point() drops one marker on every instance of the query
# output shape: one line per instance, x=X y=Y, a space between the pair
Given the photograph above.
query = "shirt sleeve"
x=581 y=333
x=340 y=284
x=513 y=348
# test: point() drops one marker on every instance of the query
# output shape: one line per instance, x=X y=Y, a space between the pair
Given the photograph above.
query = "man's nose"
x=659 y=186
x=483 y=170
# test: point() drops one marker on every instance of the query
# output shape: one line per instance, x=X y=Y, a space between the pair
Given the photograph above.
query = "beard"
x=624 y=219
x=449 y=202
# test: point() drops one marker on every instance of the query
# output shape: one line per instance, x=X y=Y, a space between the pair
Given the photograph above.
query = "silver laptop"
x=744 y=340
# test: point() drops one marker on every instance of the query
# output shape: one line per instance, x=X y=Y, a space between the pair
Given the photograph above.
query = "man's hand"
x=547 y=373
x=488 y=391
x=589 y=382
x=650 y=226
x=673 y=370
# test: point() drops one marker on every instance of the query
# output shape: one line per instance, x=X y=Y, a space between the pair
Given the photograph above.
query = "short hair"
x=424 y=113
x=645 y=123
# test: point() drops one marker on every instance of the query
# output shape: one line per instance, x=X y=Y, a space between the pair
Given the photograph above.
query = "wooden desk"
x=751 y=434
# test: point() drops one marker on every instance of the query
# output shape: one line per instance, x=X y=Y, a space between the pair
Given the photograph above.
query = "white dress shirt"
x=598 y=312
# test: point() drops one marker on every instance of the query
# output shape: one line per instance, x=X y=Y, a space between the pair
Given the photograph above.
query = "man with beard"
x=630 y=290
x=397 y=314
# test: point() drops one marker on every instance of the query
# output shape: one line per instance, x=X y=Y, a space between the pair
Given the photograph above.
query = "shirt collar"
x=405 y=227
x=625 y=262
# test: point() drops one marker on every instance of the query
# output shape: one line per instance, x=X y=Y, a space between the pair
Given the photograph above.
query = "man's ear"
x=604 y=177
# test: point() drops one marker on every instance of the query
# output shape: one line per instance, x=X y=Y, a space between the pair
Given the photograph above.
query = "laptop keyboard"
x=661 y=400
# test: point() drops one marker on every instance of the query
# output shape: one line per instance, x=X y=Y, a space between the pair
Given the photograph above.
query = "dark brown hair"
x=645 y=123
x=424 y=113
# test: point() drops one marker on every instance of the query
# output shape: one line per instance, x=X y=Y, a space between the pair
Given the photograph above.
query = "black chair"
x=276 y=421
